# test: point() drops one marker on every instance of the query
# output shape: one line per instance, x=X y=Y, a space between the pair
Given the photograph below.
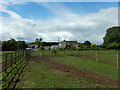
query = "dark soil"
x=76 y=73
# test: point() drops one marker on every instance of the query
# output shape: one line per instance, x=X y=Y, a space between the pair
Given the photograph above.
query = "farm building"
x=32 y=46
x=55 y=46
x=50 y=45
x=69 y=44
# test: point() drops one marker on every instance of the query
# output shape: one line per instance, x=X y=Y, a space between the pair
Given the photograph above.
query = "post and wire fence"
x=104 y=56
x=12 y=66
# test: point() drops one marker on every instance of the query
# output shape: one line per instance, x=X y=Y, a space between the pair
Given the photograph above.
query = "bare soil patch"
x=76 y=73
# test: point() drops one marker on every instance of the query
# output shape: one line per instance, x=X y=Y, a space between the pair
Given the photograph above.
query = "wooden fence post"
x=117 y=59
x=11 y=59
x=5 y=61
x=84 y=53
x=18 y=56
x=23 y=54
x=78 y=52
x=42 y=52
x=15 y=57
x=64 y=52
x=97 y=55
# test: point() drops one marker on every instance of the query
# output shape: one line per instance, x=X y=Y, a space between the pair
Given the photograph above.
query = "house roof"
x=70 y=42
x=50 y=43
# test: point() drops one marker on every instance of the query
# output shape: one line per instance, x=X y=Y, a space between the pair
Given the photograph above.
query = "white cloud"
x=11 y=13
x=65 y=24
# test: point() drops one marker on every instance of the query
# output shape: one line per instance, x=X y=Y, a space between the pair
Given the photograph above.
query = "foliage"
x=87 y=43
x=93 y=46
x=43 y=44
x=10 y=45
x=38 y=42
x=13 y=45
x=112 y=35
x=113 y=45
x=81 y=45
x=21 y=45
x=31 y=43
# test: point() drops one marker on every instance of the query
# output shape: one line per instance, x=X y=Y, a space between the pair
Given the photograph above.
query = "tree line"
x=13 y=45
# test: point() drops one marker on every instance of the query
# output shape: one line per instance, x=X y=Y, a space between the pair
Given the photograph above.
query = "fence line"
x=12 y=65
x=105 y=56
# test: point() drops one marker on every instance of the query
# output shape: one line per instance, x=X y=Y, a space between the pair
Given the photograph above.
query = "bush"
x=113 y=45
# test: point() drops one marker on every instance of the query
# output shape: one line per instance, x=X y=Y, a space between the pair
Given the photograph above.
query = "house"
x=50 y=45
x=54 y=47
x=32 y=46
x=68 y=44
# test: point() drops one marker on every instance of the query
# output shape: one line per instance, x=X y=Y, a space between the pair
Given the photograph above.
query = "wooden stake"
x=84 y=53
x=97 y=54
x=117 y=60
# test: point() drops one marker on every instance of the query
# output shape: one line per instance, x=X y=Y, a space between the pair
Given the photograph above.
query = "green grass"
x=3 y=52
x=105 y=56
x=85 y=64
x=39 y=75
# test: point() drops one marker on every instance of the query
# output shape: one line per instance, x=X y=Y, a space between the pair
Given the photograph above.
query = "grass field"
x=38 y=74
x=60 y=71
x=69 y=69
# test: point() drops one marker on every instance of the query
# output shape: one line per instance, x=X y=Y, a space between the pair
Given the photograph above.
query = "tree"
x=93 y=46
x=87 y=43
x=81 y=45
x=112 y=35
x=38 y=42
x=113 y=45
x=42 y=44
x=9 y=45
x=13 y=45
x=21 y=45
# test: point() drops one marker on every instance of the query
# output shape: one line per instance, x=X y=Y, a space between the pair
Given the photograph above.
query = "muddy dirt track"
x=75 y=73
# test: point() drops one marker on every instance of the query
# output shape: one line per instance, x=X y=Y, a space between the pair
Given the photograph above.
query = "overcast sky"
x=79 y=21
